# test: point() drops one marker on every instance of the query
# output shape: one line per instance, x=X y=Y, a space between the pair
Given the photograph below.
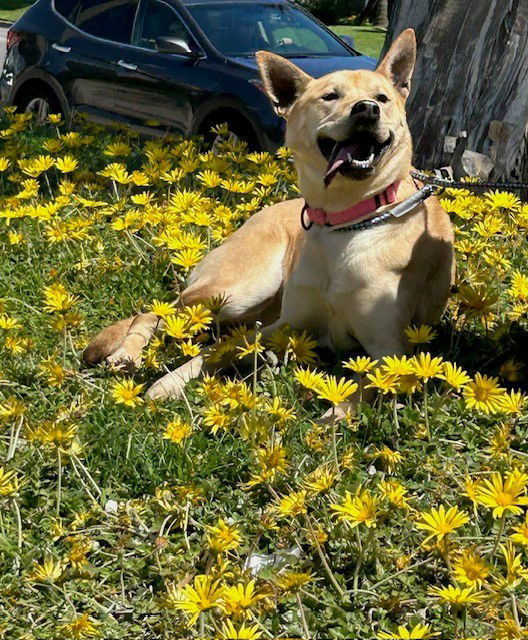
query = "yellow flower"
x=224 y=537
x=202 y=595
x=116 y=172
x=9 y=483
x=57 y=298
x=483 y=393
x=187 y=258
x=48 y=571
x=199 y=317
x=469 y=568
x=310 y=379
x=471 y=486
x=117 y=149
x=126 y=392
x=216 y=418
x=511 y=370
x=420 y=335
x=293 y=581
x=515 y=570
x=336 y=391
x=229 y=632
x=301 y=348
x=521 y=532
x=320 y=480
x=358 y=509
x=250 y=348
x=8 y=323
x=240 y=598
x=502 y=200
x=395 y=493
x=361 y=364
x=455 y=376
x=426 y=367
x=456 y=595
x=397 y=366
x=292 y=504
x=80 y=628
x=512 y=402
x=162 y=309
x=66 y=164
x=419 y=631
x=176 y=326
x=504 y=495
x=440 y=522
x=176 y=431
x=390 y=458
x=382 y=381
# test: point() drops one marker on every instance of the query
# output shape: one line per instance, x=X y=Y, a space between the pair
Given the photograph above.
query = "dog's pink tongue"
x=336 y=162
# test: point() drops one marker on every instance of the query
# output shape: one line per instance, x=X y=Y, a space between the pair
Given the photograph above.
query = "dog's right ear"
x=283 y=81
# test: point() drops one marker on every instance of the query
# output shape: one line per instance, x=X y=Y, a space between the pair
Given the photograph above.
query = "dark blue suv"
x=183 y=65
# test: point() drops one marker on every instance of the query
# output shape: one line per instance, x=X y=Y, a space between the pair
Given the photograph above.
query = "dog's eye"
x=381 y=97
x=332 y=95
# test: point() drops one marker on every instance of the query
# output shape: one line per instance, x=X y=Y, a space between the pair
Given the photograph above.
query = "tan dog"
x=349 y=129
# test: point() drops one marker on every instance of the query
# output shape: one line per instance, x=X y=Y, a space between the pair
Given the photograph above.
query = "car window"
x=67 y=8
x=244 y=28
x=109 y=19
x=157 y=19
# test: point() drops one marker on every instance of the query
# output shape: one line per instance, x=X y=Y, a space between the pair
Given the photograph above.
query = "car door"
x=156 y=89
x=91 y=47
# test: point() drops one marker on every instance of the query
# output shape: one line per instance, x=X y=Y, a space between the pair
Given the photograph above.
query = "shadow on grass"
x=10 y=5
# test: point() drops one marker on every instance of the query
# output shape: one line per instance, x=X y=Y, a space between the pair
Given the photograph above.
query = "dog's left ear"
x=283 y=81
x=398 y=63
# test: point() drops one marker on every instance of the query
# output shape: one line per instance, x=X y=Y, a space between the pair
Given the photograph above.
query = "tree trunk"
x=471 y=76
x=382 y=14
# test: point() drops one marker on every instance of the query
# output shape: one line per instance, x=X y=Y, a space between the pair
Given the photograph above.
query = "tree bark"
x=471 y=76
x=376 y=12
x=382 y=14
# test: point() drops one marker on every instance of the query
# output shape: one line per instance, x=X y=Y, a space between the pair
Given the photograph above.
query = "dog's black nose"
x=365 y=109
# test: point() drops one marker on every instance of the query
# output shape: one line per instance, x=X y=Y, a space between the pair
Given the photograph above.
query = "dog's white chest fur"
x=335 y=288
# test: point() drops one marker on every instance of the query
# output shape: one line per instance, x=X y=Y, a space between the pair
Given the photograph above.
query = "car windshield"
x=245 y=28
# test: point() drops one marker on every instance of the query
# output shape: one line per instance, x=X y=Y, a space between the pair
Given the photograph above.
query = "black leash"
x=433 y=185
x=447 y=183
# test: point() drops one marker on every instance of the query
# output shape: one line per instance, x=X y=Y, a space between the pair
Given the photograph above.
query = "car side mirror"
x=349 y=40
x=171 y=44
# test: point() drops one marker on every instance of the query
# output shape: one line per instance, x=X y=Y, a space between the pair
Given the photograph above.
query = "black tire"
x=240 y=129
x=38 y=99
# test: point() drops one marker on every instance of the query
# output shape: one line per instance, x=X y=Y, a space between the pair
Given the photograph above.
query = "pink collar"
x=359 y=210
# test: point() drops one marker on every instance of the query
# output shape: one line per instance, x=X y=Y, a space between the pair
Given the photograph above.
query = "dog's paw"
x=172 y=384
x=343 y=411
x=168 y=387
x=125 y=359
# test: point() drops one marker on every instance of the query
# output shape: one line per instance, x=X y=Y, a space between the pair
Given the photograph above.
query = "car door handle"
x=60 y=48
x=127 y=65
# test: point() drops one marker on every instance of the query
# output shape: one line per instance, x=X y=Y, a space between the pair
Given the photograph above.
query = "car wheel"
x=39 y=102
x=237 y=131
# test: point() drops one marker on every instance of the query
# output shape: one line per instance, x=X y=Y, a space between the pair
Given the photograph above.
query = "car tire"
x=38 y=100
x=238 y=130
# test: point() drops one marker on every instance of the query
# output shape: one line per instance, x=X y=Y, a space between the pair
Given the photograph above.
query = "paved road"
x=3 y=35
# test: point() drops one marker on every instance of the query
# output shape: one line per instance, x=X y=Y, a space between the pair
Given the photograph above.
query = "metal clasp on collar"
x=412 y=201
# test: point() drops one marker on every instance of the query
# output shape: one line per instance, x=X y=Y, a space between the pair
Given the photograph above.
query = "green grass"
x=11 y=10
x=369 y=40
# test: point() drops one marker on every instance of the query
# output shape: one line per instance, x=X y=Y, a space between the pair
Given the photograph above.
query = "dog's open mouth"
x=354 y=157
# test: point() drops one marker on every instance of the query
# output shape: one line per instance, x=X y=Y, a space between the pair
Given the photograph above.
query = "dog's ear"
x=283 y=81
x=398 y=63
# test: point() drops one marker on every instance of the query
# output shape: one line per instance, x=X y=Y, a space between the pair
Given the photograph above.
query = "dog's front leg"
x=129 y=354
x=173 y=383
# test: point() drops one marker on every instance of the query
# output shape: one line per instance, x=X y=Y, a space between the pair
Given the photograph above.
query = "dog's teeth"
x=371 y=158
x=360 y=164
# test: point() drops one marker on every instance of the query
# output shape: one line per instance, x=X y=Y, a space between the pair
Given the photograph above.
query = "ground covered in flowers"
x=234 y=513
